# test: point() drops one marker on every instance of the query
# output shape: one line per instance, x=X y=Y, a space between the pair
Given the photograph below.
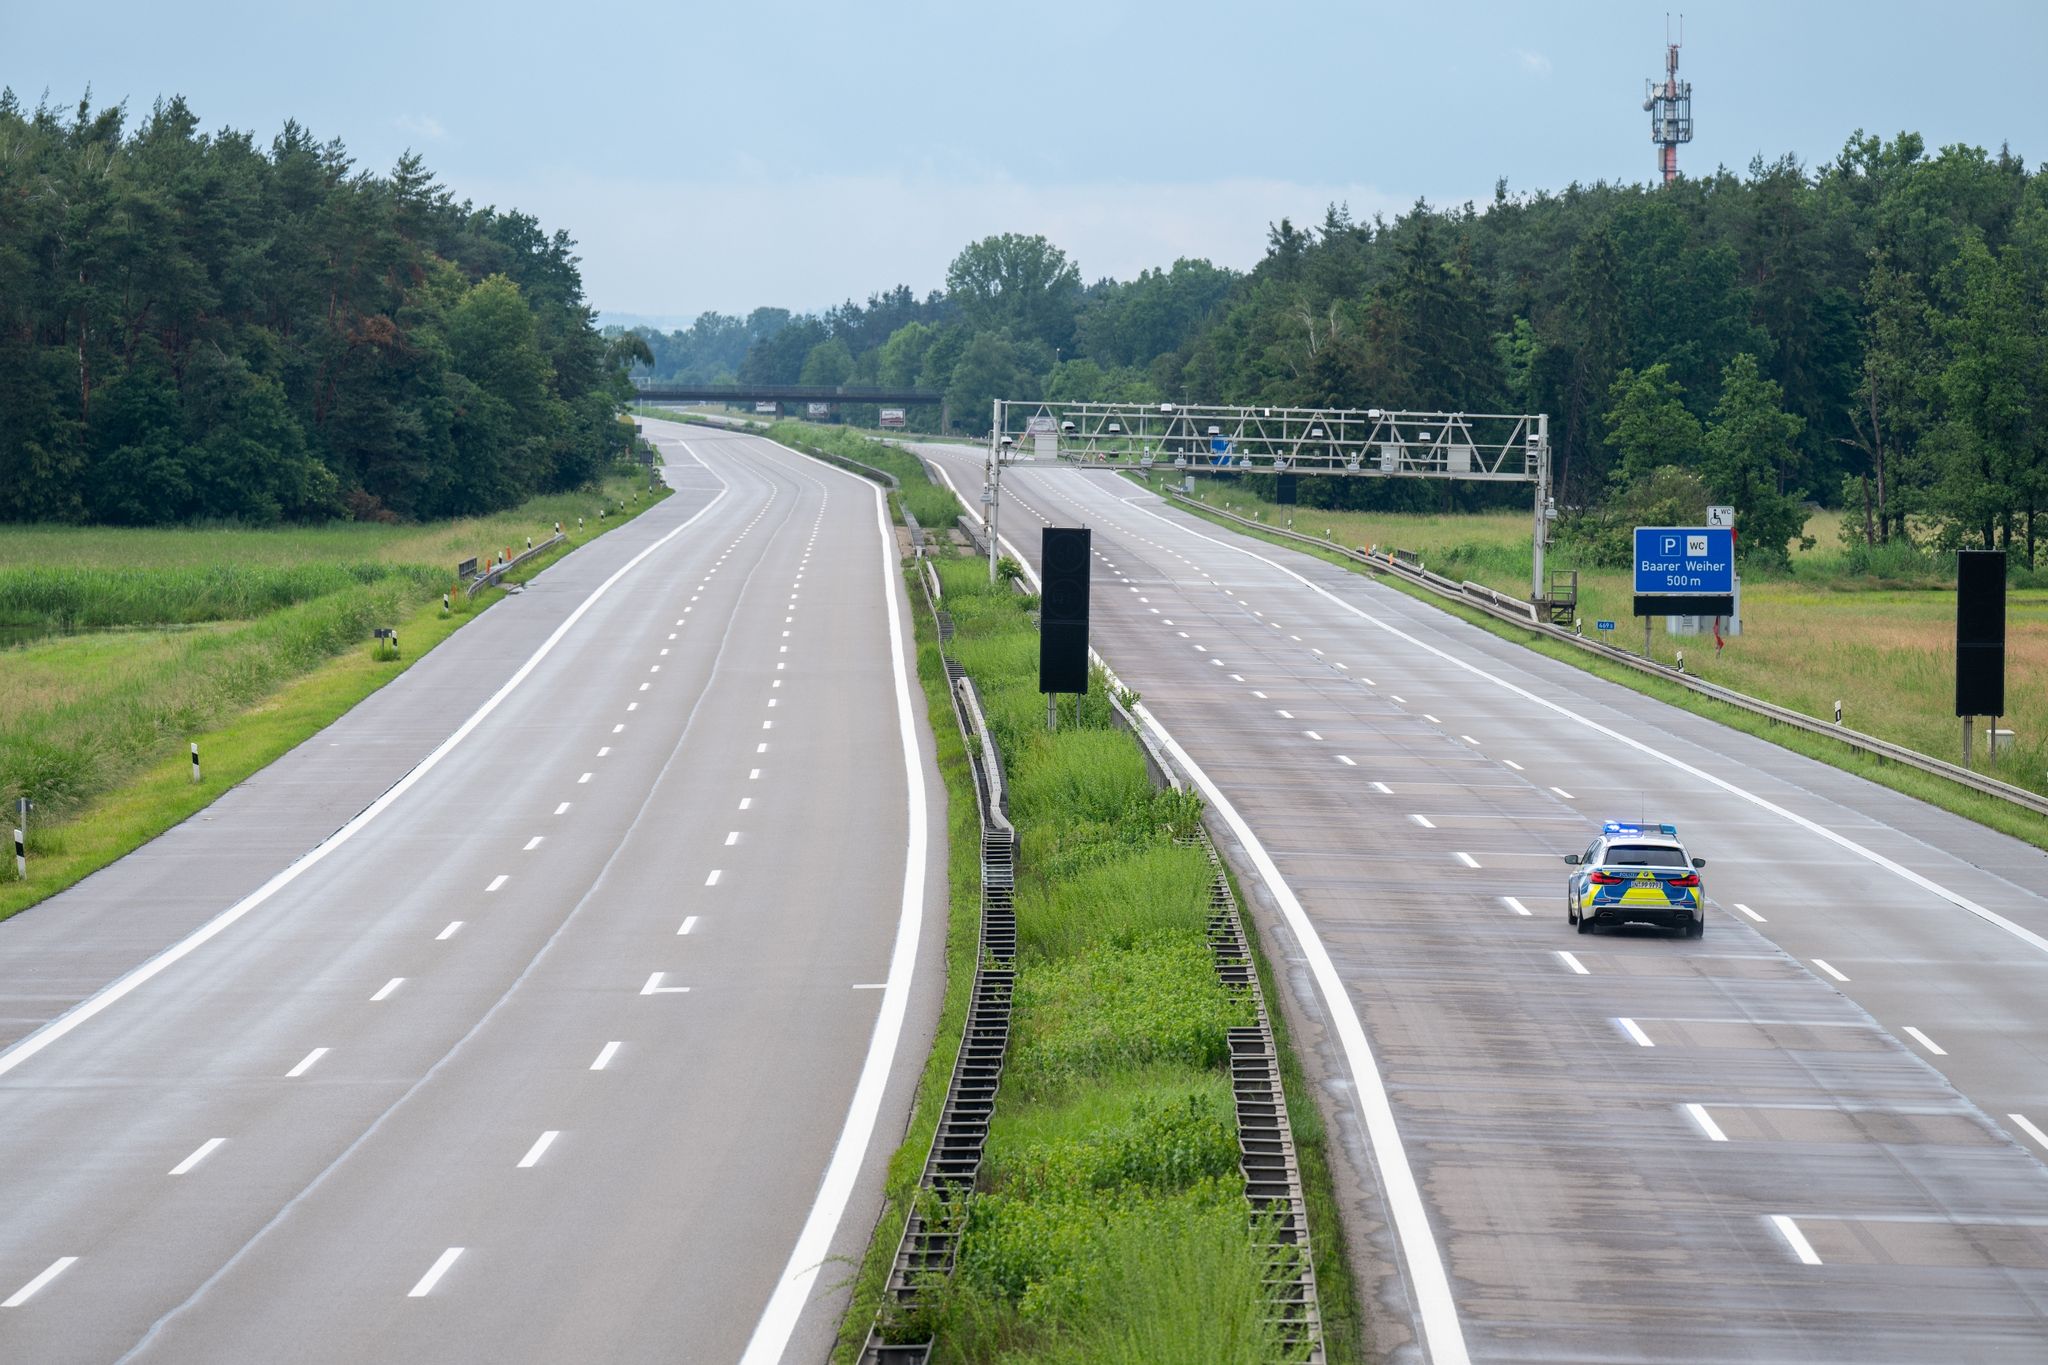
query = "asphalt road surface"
x=563 y=1002
x=1815 y=1134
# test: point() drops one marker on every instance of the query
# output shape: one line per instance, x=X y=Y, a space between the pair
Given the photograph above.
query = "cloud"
x=667 y=247
x=424 y=126
x=1535 y=63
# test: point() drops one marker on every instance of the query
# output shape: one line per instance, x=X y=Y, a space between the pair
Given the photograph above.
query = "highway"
x=1815 y=1134
x=562 y=1002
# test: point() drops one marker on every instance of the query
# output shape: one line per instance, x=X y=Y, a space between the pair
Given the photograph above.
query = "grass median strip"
x=1110 y=1222
x=134 y=643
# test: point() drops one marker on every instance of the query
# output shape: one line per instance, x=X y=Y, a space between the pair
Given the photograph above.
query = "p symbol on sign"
x=1695 y=545
x=1670 y=545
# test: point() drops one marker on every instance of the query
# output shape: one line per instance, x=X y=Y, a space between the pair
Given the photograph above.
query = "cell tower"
x=1669 y=105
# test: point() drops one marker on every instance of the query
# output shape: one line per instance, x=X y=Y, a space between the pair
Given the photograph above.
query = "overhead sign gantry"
x=1198 y=438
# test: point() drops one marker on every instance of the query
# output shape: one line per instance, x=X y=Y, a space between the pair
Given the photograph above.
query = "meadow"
x=1876 y=632
x=129 y=644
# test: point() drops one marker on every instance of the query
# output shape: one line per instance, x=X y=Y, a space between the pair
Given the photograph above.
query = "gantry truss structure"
x=1199 y=438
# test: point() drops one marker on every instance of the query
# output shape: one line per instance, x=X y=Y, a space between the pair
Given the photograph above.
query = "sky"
x=802 y=153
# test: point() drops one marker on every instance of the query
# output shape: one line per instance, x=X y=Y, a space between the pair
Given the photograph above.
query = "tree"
x=829 y=364
x=1023 y=286
x=1744 y=449
x=988 y=369
x=1648 y=424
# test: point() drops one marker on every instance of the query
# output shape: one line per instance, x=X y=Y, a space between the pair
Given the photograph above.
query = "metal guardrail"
x=497 y=571
x=1523 y=614
x=931 y=1231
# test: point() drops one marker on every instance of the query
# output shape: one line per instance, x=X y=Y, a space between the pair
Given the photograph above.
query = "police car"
x=1636 y=874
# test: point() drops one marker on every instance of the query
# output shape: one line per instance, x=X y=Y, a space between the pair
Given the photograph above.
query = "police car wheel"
x=1585 y=924
x=1697 y=929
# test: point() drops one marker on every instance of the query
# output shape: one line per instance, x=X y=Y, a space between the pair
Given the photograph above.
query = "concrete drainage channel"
x=954 y=1163
x=1265 y=1138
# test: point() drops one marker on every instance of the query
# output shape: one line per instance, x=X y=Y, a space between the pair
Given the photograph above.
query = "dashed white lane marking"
x=1367 y=681
x=384 y=991
x=2027 y=1127
x=1795 y=1239
x=1286 y=715
x=206 y=1149
x=1468 y=739
x=762 y=747
x=1927 y=1042
x=434 y=1274
x=654 y=668
x=1565 y=794
x=645 y=686
x=1706 y=1123
x=1402 y=700
x=772 y=700
x=540 y=1145
x=497 y=882
x=1578 y=967
x=767 y=725
x=712 y=880
x=1828 y=967
x=1751 y=913
x=1515 y=905
x=1346 y=760
x=663 y=654
x=632 y=706
x=754 y=775
x=306 y=1063
x=745 y=802
x=1383 y=789
x=562 y=809
x=454 y=927
x=620 y=726
x=1313 y=735
x=581 y=780
x=1237 y=677
x=1467 y=859
x=533 y=843
x=654 y=986
x=1260 y=695
x=689 y=923
x=1431 y=719
x=604 y=751
x=1424 y=821
x=1635 y=1031
x=604 y=1056
x=27 y=1291
x=732 y=838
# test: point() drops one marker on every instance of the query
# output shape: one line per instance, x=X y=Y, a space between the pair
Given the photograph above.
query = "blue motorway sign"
x=1603 y=625
x=1675 y=560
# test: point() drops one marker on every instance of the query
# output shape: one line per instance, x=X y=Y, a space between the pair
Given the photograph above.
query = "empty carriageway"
x=588 y=1040
x=1624 y=1146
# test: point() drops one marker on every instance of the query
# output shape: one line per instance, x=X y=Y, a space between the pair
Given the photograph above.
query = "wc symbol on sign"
x=1695 y=545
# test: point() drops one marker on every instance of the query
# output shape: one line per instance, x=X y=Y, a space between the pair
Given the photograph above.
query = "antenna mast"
x=1669 y=105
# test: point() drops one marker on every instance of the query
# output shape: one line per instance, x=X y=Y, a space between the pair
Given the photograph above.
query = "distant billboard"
x=893 y=417
x=817 y=409
x=1039 y=426
x=764 y=407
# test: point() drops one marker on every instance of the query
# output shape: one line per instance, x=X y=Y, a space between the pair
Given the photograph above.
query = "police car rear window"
x=1644 y=855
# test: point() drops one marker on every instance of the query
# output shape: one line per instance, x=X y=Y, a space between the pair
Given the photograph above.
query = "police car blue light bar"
x=1627 y=830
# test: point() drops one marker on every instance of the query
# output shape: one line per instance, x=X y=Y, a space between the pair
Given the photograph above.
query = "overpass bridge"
x=794 y=393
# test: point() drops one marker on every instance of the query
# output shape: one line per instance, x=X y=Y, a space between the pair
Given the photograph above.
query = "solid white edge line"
x=2031 y=1131
x=1841 y=841
x=540 y=1145
x=56 y=1268
x=434 y=1273
x=1635 y=1031
x=1443 y=1335
x=94 y=1004
x=814 y=1243
x=1796 y=1239
x=1706 y=1122
x=205 y=1151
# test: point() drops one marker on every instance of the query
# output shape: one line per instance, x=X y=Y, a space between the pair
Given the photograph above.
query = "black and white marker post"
x=20 y=856
x=195 y=760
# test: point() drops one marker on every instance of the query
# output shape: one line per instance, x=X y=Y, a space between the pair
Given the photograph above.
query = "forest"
x=197 y=327
x=1869 y=334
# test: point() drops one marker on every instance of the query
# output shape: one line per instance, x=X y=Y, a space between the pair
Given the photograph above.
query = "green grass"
x=1810 y=637
x=1111 y=1222
x=246 y=641
x=932 y=504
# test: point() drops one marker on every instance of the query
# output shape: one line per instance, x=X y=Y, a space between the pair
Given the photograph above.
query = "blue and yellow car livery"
x=1636 y=874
